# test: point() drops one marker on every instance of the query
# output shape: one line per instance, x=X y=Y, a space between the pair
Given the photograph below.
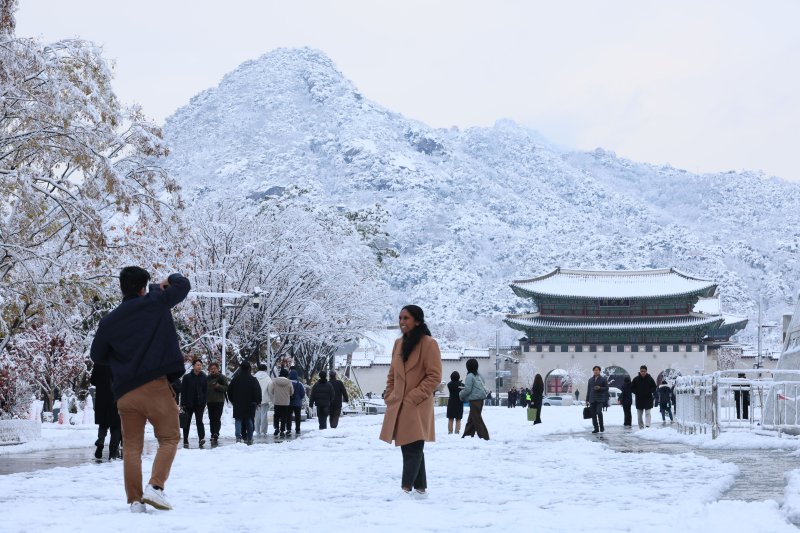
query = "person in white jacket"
x=262 y=411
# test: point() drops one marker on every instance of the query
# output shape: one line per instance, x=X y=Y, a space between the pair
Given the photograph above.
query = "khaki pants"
x=153 y=402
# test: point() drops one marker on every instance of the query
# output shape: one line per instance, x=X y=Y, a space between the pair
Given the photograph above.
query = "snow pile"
x=14 y=431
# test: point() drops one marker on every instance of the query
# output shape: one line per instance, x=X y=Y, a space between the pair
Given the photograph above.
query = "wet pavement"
x=762 y=471
x=46 y=459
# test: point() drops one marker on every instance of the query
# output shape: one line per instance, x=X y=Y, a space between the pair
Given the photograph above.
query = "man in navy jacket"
x=139 y=342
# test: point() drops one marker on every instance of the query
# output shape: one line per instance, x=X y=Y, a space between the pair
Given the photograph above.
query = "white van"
x=614 y=396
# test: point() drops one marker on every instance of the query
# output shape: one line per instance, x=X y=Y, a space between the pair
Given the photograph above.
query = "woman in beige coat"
x=414 y=374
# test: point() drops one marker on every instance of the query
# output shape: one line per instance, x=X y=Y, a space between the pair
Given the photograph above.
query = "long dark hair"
x=538 y=381
x=412 y=338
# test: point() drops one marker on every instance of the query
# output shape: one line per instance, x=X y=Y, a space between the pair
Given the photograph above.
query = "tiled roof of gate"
x=535 y=321
x=631 y=284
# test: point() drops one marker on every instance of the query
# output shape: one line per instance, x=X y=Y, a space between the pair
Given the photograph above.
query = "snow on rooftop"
x=537 y=321
x=712 y=306
x=613 y=283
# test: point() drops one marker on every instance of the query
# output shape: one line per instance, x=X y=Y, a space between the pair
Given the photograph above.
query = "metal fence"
x=725 y=401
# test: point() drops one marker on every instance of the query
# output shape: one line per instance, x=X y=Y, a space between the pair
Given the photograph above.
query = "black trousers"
x=626 y=412
x=283 y=418
x=597 y=414
x=196 y=412
x=414 y=466
x=322 y=416
x=295 y=412
x=336 y=412
x=215 y=417
x=113 y=441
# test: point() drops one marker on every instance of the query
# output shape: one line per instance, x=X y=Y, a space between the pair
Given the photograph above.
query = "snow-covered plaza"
x=553 y=477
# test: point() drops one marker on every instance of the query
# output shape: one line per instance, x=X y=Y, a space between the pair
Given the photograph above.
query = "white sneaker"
x=156 y=498
x=419 y=494
x=138 y=507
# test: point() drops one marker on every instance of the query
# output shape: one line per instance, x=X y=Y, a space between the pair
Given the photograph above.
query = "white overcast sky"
x=702 y=85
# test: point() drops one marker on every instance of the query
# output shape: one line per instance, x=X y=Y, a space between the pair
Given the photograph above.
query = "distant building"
x=618 y=320
x=369 y=362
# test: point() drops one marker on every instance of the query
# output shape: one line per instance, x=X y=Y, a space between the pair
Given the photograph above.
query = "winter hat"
x=293 y=375
x=283 y=373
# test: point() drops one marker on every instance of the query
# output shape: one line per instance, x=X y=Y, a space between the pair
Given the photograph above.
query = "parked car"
x=557 y=400
x=614 y=396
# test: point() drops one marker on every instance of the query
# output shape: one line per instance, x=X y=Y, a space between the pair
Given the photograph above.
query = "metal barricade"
x=725 y=400
x=694 y=401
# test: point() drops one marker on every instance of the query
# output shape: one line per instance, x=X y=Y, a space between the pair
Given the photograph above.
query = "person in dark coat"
x=296 y=401
x=643 y=386
x=741 y=396
x=339 y=397
x=597 y=397
x=194 y=393
x=455 y=407
x=322 y=396
x=626 y=400
x=138 y=340
x=244 y=393
x=105 y=412
x=664 y=404
x=217 y=388
x=537 y=395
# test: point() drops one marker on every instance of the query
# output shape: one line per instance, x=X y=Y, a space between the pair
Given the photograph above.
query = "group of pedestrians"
x=252 y=396
x=521 y=397
x=642 y=387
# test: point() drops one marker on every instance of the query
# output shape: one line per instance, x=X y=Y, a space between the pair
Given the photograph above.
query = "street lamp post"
x=497 y=367
x=255 y=301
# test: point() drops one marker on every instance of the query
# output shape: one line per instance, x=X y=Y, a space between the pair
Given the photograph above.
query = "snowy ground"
x=348 y=480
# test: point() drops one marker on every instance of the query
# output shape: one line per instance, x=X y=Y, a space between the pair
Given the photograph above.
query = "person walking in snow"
x=194 y=394
x=105 y=412
x=244 y=393
x=296 y=402
x=455 y=406
x=414 y=374
x=281 y=390
x=741 y=397
x=596 y=398
x=626 y=399
x=139 y=342
x=217 y=388
x=643 y=386
x=474 y=392
x=664 y=404
x=322 y=394
x=340 y=396
x=262 y=411
x=537 y=395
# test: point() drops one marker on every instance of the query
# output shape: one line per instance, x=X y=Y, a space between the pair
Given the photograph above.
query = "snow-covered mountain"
x=470 y=210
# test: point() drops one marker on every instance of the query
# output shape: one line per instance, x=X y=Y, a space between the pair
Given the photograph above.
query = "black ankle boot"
x=98 y=453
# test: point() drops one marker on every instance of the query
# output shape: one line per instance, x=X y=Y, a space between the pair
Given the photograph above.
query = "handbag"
x=587 y=413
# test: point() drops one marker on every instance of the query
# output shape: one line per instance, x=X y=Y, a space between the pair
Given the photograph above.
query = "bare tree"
x=318 y=281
